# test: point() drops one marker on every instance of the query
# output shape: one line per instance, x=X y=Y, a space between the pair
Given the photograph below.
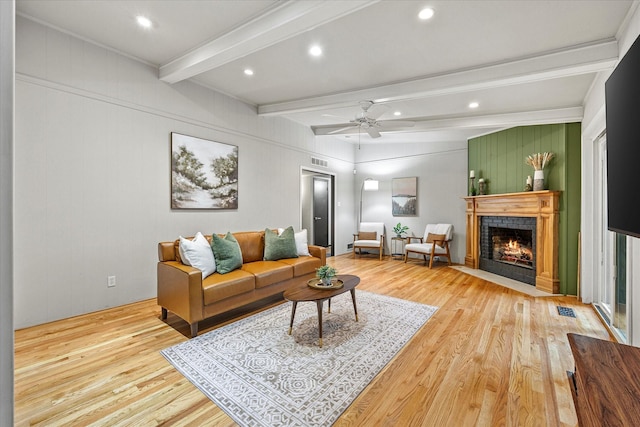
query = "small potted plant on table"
x=326 y=273
x=400 y=229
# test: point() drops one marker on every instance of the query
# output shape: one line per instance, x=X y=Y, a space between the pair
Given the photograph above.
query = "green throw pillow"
x=279 y=247
x=226 y=252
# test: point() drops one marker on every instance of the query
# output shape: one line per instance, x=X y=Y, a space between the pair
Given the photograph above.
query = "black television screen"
x=622 y=96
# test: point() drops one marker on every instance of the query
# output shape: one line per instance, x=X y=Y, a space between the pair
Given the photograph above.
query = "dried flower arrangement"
x=539 y=160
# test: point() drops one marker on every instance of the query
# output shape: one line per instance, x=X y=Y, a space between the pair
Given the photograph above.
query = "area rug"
x=262 y=376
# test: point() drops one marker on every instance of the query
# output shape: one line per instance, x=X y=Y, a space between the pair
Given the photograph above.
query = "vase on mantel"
x=538 y=180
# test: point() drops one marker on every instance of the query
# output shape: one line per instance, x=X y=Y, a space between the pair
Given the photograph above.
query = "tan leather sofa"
x=182 y=291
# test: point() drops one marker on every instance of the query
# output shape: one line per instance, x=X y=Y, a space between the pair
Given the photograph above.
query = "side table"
x=397 y=247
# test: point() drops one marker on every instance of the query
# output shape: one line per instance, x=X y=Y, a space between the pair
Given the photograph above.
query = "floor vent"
x=566 y=311
x=319 y=162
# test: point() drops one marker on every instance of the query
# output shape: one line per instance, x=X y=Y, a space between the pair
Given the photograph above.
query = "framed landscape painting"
x=404 y=196
x=204 y=174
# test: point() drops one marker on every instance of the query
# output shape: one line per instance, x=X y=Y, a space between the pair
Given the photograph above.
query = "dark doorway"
x=321 y=211
x=317 y=207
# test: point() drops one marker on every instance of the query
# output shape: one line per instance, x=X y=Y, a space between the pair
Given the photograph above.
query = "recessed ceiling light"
x=473 y=105
x=143 y=21
x=248 y=71
x=426 y=13
x=397 y=113
x=315 y=50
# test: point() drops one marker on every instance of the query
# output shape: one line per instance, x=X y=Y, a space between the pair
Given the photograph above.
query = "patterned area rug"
x=261 y=376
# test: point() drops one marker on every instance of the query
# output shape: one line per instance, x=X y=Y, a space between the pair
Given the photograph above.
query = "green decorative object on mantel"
x=472 y=188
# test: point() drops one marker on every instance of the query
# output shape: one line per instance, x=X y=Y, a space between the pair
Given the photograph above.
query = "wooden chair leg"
x=448 y=253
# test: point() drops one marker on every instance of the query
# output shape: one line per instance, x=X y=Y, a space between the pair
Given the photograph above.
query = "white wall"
x=92 y=172
x=7 y=33
x=441 y=169
x=593 y=124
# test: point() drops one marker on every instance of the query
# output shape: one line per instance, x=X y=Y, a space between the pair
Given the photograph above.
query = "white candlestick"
x=529 y=180
x=472 y=174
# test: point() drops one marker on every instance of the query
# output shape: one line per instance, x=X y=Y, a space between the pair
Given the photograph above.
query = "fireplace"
x=508 y=247
x=528 y=249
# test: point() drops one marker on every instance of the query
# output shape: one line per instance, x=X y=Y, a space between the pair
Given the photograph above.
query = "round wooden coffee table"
x=304 y=292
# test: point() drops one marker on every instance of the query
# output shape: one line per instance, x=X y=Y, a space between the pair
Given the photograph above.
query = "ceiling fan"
x=367 y=120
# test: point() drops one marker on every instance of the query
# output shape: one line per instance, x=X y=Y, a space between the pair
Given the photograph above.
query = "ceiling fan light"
x=426 y=13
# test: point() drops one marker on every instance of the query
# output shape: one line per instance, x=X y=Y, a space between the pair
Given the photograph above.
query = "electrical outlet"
x=111 y=282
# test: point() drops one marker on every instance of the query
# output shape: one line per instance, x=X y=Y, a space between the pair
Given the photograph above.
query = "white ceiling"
x=525 y=62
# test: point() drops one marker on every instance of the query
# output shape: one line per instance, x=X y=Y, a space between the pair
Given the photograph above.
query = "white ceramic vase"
x=538 y=180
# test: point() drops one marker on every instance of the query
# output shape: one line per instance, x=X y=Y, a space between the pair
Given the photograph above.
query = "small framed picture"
x=404 y=196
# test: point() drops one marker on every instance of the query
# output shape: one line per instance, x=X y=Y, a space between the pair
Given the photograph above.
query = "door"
x=611 y=292
x=321 y=211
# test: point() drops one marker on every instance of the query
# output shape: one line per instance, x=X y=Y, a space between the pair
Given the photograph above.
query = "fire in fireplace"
x=512 y=247
x=508 y=247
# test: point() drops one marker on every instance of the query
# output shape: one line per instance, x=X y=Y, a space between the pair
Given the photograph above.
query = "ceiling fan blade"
x=337 y=117
x=373 y=133
x=376 y=110
x=399 y=123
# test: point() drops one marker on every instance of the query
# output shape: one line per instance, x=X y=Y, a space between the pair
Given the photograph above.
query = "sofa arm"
x=180 y=290
x=319 y=252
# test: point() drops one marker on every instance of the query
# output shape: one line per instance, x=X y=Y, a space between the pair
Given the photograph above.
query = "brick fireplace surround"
x=542 y=205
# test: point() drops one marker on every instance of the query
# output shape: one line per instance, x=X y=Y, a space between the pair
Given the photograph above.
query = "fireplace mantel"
x=543 y=205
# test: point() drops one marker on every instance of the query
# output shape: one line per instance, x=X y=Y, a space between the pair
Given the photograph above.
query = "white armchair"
x=434 y=243
x=370 y=235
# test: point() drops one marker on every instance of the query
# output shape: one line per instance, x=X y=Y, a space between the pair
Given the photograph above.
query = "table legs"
x=319 y=304
x=293 y=314
x=353 y=298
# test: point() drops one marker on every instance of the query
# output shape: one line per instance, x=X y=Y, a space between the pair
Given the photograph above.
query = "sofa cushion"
x=251 y=245
x=279 y=246
x=226 y=252
x=220 y=286
x=302 y=241
x=302 y=265
x=268 y=272
x=197 y=253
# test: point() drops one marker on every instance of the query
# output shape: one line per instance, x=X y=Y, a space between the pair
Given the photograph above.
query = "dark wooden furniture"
x=606 y=382
x=304 y=292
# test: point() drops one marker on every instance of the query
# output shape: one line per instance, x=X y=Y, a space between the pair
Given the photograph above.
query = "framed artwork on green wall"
x=404 y=196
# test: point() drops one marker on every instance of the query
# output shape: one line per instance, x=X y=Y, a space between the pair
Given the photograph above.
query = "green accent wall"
x=499 y=159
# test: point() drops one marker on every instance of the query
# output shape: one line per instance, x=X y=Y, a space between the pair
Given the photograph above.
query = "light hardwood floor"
x=489 y=356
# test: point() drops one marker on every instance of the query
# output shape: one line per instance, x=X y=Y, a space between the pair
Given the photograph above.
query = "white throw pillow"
x=198 y=253
x=302 y=243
